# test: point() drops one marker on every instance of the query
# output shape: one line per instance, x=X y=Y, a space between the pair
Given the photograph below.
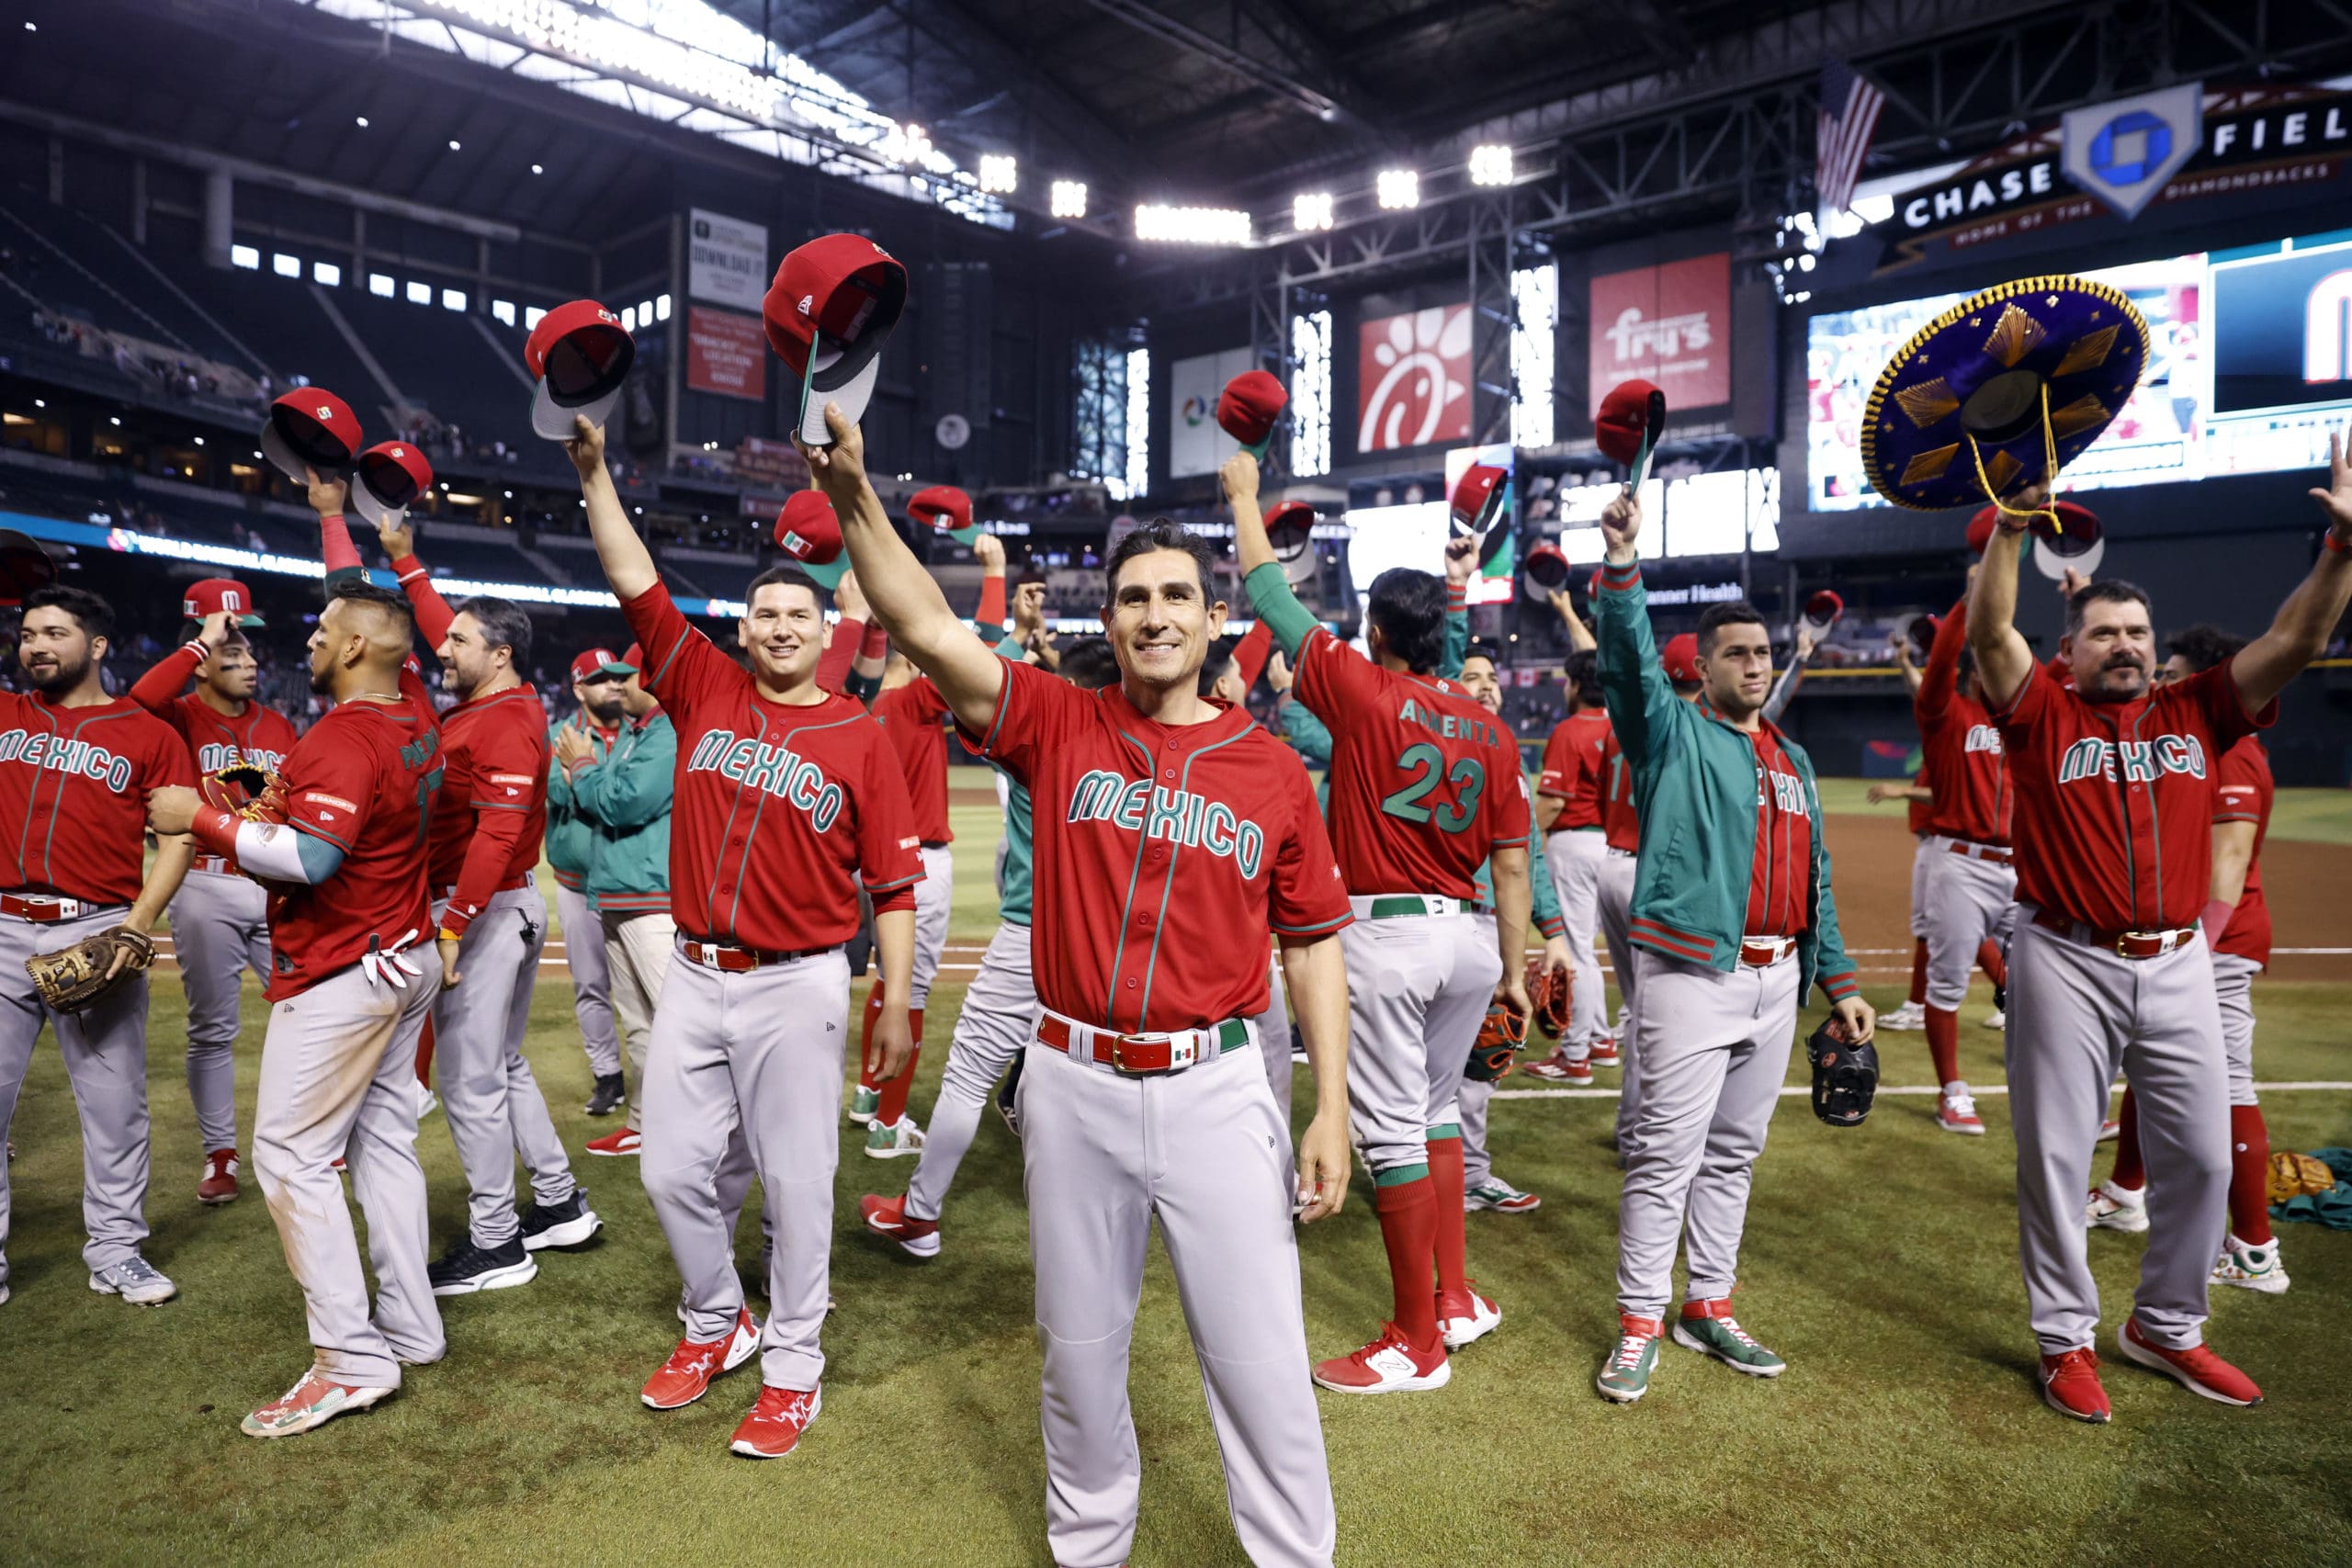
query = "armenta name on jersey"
x=777 y=770
x=56 y=754
x=2142 y=759
x=215 y=755
x=1176 y=815
x=1450 y=725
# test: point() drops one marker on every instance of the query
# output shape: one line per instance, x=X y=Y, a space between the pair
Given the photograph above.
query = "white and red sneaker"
x=1467 y=1318
x=1558 y=1067
x=1957 y=1113
x=889 y=1217
x=2196 y=1369
x=2070 y=1386
x=315 y=1399
x=685 y=1376
x=2107 y=1129
x=1604 y=1053
x=1387 y=1365
x=772 y=1429
x=614 y=1145
x=219 y=1183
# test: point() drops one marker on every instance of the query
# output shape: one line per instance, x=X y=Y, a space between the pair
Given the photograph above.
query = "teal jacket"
x=571 y=837
x=626 y=798
x=1694 y=784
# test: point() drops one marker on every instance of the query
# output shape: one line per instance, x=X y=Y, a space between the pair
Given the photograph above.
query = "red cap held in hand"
x=1680 y=659
x=1821 y=611
x=1248 y=407
x=947 y=509
x=309 y=427
x=215 y=594
x=388 y=476
x=827 y=314
x=809 y=531
x=1547 y=569
x=580 y=354
x=1478 y=497
x=1631 y=419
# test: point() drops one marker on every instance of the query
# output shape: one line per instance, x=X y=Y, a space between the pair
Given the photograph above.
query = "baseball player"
x=911 y=714
x=1172 y=836
x=1732 y=923
x=1970 y=886
x=219 y=920
x=596 y=677
x=785 y=796
x=349 y=993
x=1567 y=811
x=1424 y=787
x=491 y=926
x=1000 y=1010
x=2108 y=968
x=2242 y=800
x=76 y=770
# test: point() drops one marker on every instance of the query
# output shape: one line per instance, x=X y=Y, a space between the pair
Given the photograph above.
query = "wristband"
x=876 y=643
x=217 y=831
x=1457 y=596
x=2336 y=542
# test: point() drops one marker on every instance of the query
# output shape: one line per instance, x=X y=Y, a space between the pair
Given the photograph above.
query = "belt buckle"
x=1119 y=1044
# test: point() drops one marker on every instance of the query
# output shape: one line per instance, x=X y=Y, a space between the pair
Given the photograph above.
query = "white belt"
x=1105 y=1048
x=1620 y=854
x=1435 y=905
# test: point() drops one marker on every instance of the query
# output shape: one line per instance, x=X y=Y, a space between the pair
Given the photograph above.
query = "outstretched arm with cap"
x=1270 y=591
x=433 y=611
x=628 y=565
x=905 y=599
x=1784 y=690
x=2299 y=632
x=2003 y=660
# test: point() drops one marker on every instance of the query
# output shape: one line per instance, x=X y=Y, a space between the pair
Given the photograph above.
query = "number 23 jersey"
x=1425 y=783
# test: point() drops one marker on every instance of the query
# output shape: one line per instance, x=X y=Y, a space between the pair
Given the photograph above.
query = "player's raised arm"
x=1940 y=682
x=433 y=611
x=628 y=565
x=1632 y=683
x=904 y=598
x=2003 y=659
x=2300 y=633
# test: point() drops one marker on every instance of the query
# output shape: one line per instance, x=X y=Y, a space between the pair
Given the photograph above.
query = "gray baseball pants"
x=2234 y=992
x=755 y=1055
x=998 y=1016
x=1964 y=901
x=220 y=929
x=1715 y=1047
x=637 y=957
x=105 y=1050
x=1204 y=1153
x=1417 y=989
x=338 y=1080
x=1573 y=859
x=1613 y=901
x=2077 y=1016
x=591 y=979
x=1273 y=1037
x=1471 y=1098
x=493 y=1104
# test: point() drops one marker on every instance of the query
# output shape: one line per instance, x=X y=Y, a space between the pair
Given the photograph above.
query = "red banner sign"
x=726 y=354
x=1671 y=325
x=1413 y=380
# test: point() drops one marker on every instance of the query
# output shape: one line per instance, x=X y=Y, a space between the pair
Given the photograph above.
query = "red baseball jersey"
x=1164 y=854
x=74 y=784
x=494 y=758
x=2243 y=792
x=914 y=717
x=2115 y=800
x=364 y=778
x=1619 y=822
x=1782 y=867
x=1921 y=812
x=1425 y=783
x=779 y=809
x=1961 y=745
x=1572 y=768
x=216 y=739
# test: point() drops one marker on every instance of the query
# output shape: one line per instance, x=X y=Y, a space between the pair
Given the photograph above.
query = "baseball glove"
x=1844 y=1077
x=1548 y=989
x=247 y=790
x=75 y=978
x=1497 y=1045
x=2297 y=1176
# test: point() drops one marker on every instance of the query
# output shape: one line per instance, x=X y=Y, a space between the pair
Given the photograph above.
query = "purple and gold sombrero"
x=2002 y=390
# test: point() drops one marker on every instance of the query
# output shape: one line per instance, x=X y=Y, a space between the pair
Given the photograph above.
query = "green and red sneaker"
x=1709 y=1328
x=1627 y=1376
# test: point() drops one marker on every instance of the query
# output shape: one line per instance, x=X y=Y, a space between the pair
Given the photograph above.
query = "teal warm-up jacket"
x=626 y=798
x=571 y=838
x=1694 y=784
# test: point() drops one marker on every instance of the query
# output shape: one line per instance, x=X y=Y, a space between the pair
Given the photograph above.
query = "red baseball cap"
x=309 y=427
x=947 y=509
x=23 y=566
x=831 y=309
x=1680 y=659
x=634 y=658
x=1980 y=528
x=1478 y=497
x=1248 y=407
x=215 y=594
x=1920 y=632
x=1290 y=527
x=600 y=661
x=809 y=531
x=389 y=476
x=2077 y=544
x=1547 y=569
x=579 y=353
x=1822 y=610
x=1631 y=419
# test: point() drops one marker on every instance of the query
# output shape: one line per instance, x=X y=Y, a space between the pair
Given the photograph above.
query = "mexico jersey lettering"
x=495 y=755
x=1572 y=768
x=1424 y=782
x=1971 y=766
x=74 y=784
x=261 y=736
x=780 y=809
x=2243 y=792
x=914 y=716
x=1164 y=854
x=2114 y=800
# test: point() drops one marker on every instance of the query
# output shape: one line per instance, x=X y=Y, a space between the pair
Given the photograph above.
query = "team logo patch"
x=511 y=779
x=909 y=843
x=319 y=797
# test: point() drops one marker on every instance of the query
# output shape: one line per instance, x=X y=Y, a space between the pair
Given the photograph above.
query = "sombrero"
x=2003 y=389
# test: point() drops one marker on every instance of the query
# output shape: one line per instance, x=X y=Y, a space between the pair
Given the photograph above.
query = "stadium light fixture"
x=1311 y=211
x=363 y=122
x=906 y=144
x=245 y=257
x=999 y=173
x=420 y=293
x=1193 y=225
x=531 y=317
x=538 y=169
x=455 y=145
x=628 y=318
x=1067 y=198
x=453 y=298
x=1490 y=165
x=286 y=266
x=197 y=439
x=662 y=309
x=1399 y=189
x=381 y=286
x=503 y=311
x=326 y=273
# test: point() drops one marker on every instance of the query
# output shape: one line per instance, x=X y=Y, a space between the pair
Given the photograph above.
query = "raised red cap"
x=808 y=528
x=1824 y=608
x=309 y=427
x=1624 y=422
x=1680 y=659
x=943 y=507
x=388 y=476
x=215 y=594
x=580 y=354
x=830 y=310
x=1547 y=569
x=1477 y=496
x=1249 y=405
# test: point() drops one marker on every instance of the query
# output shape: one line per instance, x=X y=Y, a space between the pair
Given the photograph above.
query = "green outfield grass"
x=1879 y=1261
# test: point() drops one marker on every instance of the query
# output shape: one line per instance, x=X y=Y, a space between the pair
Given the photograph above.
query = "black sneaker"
x=465 y=1268
x=1005 y=1105
x=2000 y=999
x=609 y=1096
x=568 y=1223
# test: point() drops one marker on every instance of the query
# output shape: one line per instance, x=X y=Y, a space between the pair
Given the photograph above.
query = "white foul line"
x=1802 y=1091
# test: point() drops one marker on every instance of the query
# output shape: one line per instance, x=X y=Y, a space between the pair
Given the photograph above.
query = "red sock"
x=1408 y=1230
x=1943 y=1043
x=894 y=1093
x=425 y=1054
x=1919 y=972
x=866 y=1037
x=2249 y=1175
x=1989 y=959
x=2129 y=1172
x=1445 y=1169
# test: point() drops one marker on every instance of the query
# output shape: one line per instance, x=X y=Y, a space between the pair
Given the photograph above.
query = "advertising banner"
x=1413 y=380
x=1667 y=324
x=726 y=354
x=1196 y=445
x=727 y=260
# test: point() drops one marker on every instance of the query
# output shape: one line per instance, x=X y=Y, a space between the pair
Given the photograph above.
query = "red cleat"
x=772 y=1429
x=685 y=1376
x=1389 y=1365
x=624 y=1142
x=1557 y=1068
x=889 y=1217
x=2196 y=1369
x=1604 y=1053
x=2070 y=1386
x=219 y=1183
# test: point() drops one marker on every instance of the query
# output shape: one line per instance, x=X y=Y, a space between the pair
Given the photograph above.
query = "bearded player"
x=491 y=927
x=1424 y=787
x=1732 y=923
x=598 y=677
x=787 y=795
x=1172 y=835
x=219 y=920
x=2109 y=969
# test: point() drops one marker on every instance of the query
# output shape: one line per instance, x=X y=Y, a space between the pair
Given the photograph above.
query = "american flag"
x=1849 y=110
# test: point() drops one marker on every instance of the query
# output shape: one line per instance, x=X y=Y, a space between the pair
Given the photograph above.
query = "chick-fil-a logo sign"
x=1413 y=380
